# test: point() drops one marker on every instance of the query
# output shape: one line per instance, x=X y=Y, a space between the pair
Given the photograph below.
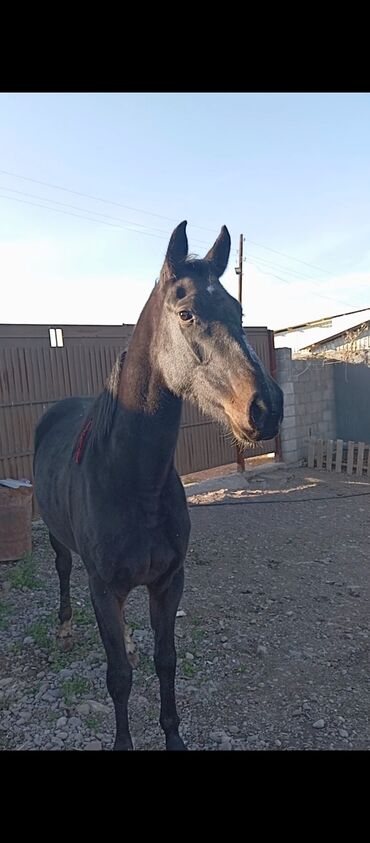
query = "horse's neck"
x=148 y=414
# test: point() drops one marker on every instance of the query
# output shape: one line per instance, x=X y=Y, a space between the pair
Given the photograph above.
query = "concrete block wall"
x=309 y=406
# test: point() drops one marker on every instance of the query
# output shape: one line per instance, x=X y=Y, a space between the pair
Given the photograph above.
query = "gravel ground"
x=273 y=648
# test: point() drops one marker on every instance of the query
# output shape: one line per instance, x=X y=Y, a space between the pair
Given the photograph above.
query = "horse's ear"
x=218 y=255
x=177 y=249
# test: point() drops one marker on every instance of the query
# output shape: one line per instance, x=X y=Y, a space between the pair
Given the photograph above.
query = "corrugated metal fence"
x=33 y=375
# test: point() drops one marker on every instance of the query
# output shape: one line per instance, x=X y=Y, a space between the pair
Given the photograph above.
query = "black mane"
x=99 y=418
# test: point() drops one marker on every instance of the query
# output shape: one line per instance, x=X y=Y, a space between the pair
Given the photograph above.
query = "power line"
x=161 y=235
x=80 y=216
x=290 y=282
x=129 y=228
x=296 y=272
x=97 y=198
x=86 y=210
x=291 y=257
x=153 y=214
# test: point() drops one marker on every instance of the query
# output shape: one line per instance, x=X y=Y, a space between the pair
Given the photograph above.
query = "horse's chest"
x=138 y=554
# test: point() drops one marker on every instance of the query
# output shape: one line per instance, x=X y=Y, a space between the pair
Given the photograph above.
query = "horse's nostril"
x=257 y=412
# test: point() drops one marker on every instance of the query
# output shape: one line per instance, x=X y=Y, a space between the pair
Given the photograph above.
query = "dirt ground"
x=273 y=648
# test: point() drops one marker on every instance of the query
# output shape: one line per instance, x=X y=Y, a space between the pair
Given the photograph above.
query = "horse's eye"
x=185 y=315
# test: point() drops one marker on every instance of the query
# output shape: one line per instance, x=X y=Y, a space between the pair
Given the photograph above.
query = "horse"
x=104 y=472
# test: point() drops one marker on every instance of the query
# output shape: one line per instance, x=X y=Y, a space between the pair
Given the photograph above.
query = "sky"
x=92 y=185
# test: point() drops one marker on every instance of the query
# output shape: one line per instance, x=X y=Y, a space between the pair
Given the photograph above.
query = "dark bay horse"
x=104 y=469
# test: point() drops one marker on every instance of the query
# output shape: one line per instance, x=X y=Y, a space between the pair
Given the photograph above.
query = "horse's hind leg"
x=63 y=563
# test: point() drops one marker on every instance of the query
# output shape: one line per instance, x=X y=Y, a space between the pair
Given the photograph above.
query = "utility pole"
x=240 y=268
x=239 y=271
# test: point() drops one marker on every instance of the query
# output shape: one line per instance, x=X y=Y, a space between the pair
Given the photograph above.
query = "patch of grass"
x=5 y=611
x=83 y=616
x=134 y=625
x=92 y=637
x=197 y=631
x=241 y=669
x=39 y=631
x=196 y=620
x=93 y=722
x=74 y=687
x=146 y=665
x=188 y=669
x=80 y=650
x=52 y=716
x=84 y=620
x=60 y=659
x=40 y=634
x=152 y=714
x=24 y=574
x=197 y=635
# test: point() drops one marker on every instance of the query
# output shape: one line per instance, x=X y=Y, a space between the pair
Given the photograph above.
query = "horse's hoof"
x=175 y=744
x=65 y=644
x=123 y=747
x=65 y=637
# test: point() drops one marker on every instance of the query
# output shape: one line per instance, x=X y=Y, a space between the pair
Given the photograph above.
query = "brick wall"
x=309 y=405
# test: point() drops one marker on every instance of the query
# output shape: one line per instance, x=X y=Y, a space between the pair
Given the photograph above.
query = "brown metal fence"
x=33 y=375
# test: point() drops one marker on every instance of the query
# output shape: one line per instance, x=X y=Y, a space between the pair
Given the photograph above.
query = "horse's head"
x=201 y=348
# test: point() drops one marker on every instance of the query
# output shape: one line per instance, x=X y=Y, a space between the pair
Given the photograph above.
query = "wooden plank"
x=319 y=453
x=366 y=464
x=339 y=456
x=311 y=452
x=360 y=458
x=329 y=454
x=350 y=453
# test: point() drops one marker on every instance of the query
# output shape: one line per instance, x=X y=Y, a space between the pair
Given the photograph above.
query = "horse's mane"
x=99 y=419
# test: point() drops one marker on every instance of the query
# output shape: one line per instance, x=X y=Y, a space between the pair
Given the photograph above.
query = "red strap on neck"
x=81 y=442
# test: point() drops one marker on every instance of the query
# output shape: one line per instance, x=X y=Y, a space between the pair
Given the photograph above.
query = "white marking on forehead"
x=210 y=288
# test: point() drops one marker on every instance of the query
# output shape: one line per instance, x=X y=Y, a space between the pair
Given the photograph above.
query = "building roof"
x=342 y=333
x=316 y=323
